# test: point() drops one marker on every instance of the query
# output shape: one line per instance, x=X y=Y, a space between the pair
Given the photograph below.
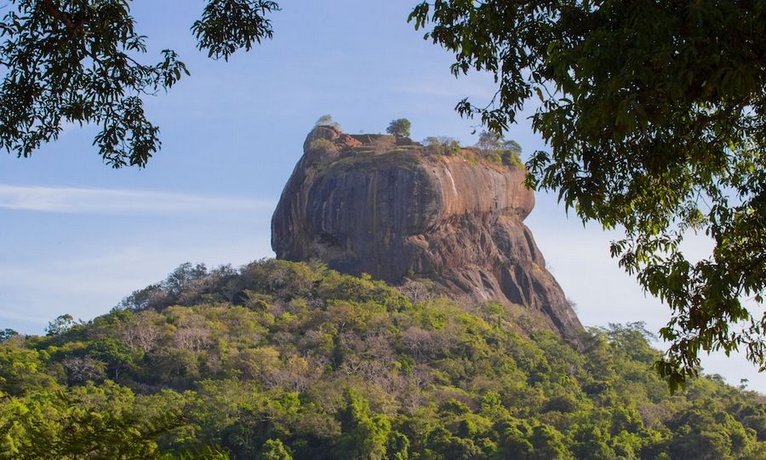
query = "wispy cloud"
x=75 y=200
x=88 y=281
x=8 y=314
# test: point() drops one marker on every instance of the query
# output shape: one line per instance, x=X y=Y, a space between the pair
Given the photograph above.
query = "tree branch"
x=59 y=15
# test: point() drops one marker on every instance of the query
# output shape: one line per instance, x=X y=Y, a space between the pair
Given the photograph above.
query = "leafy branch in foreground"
x=78 y=62
x=655 y=114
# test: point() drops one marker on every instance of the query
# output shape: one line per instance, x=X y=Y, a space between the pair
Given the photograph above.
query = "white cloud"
x=73 y=200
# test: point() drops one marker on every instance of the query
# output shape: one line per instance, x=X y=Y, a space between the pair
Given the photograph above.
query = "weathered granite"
x=384 y=206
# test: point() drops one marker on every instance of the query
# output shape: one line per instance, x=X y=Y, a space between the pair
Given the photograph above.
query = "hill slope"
x=281 y=360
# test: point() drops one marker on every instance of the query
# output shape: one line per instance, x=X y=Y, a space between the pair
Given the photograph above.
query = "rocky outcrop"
x=388 y=207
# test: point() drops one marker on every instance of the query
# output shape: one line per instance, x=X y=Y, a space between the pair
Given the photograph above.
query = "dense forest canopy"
x=282 y=360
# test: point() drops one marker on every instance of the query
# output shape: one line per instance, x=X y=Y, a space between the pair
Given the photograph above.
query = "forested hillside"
x=284 y=360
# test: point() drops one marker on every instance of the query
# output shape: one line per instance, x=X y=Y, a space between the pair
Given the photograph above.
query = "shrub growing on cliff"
x=496 y=148
x=511 y=154
x=326 y=120
x=442 y=145
x=489 y=142
x=324 y=145
x=399 y=127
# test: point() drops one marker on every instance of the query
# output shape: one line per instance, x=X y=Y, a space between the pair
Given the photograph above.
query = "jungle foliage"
x=281 y=360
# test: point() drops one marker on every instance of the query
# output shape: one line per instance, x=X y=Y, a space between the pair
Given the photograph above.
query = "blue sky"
x=78 y=236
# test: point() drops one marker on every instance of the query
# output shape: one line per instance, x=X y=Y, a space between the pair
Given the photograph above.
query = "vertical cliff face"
x=387 y=207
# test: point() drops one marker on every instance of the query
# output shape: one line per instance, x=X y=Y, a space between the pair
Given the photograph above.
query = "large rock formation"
x=385 y=206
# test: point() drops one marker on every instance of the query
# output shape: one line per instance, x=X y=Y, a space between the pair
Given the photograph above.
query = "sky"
x=79 y=236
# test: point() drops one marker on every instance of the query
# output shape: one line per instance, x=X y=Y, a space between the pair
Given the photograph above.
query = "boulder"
x=372 y=204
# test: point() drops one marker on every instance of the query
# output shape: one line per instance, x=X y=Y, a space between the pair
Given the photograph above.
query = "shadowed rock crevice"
x=384 y=206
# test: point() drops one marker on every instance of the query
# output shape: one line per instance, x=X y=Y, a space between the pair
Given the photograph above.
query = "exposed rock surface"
x=385 y=206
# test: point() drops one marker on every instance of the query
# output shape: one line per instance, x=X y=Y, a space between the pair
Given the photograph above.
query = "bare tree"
x=81 y=370
x=140 y=332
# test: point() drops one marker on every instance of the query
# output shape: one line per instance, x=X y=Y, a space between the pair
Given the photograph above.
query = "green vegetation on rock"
x=399 y=127
x=322 y=145
x=500 y=150
x=441 y=145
